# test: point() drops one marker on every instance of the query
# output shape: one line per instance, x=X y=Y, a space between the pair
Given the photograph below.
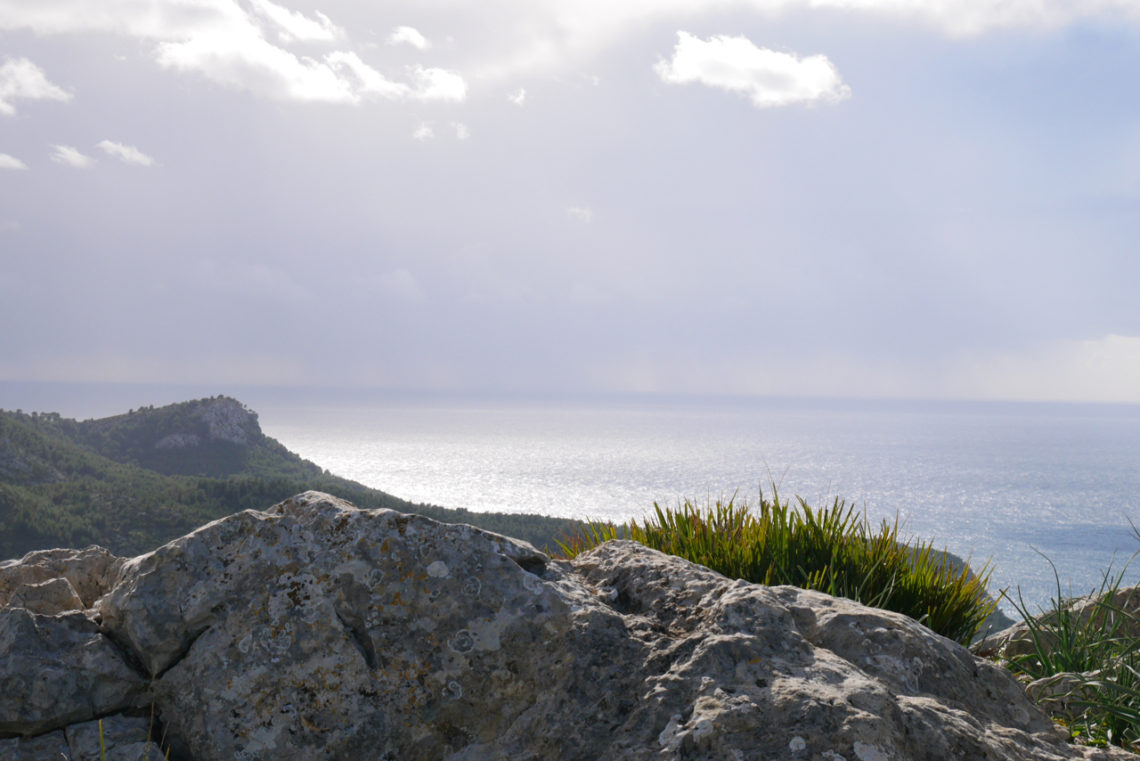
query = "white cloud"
x=582 y=214
x=248 y=44
x=11 y=162
x=20 y=78
x=541 y=33
x=128 y=154
x=70 y=156
x=439 y=84
x=426 y=131
x=296 y=26
x=767 y=77
x=406 y=35
x=228 y=44
x=241 y=58
x=368 y=80
x=430 y=84
x=518 y=97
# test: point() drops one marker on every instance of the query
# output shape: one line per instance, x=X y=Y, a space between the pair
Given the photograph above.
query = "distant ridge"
x=134 y=481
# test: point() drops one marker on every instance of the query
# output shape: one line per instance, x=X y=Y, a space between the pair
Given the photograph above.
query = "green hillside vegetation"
x=135 y=481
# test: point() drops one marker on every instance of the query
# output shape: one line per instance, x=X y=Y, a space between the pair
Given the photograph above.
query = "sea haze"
x=1019 y=484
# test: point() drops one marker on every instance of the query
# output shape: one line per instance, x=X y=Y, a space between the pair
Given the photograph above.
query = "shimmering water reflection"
x=993 y=480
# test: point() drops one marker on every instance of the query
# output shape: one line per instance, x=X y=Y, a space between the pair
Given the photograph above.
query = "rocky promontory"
x=314 y=630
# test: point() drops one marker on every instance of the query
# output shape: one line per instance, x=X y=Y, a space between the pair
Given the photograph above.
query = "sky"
x=840 y=198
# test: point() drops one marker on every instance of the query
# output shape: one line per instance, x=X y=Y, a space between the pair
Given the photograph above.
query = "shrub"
x=832 y=549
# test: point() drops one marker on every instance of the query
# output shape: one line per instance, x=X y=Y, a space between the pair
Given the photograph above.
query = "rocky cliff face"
x=318 y=631
x=204 y=437
x=225 y=419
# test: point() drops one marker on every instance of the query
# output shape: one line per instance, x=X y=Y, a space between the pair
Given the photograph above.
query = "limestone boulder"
x=315 y=630
x=54 y=581
x=58 y=670
x=57 y=667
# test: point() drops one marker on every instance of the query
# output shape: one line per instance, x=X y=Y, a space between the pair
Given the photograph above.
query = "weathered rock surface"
x=57 y=670
x=318 y=631
x=124 y=739
x=53 y=581
x=56 y=665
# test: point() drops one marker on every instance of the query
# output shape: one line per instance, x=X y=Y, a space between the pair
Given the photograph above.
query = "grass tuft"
x=832 y=549
x=1081 y=660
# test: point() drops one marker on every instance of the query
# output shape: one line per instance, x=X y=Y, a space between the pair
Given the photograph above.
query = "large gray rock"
x=318 y=631
x=56 y=665
x=57 y=670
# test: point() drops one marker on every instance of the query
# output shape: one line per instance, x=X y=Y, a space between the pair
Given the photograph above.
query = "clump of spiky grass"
x=1083 y=661
x=832 y=549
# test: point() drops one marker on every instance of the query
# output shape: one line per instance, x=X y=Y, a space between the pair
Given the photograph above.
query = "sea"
x=1043 y=494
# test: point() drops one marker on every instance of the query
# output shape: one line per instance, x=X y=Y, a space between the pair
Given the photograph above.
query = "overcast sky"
x=885 y=198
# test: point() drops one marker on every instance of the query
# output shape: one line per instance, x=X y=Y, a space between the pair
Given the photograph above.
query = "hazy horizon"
x=95 y=400
x=827 y=199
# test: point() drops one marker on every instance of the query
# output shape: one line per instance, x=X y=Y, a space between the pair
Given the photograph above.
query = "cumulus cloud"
x=11 y=162
x=462 y=131
x=252 y=44
x=20 y=78
x=70 y=156
x=296 y=26
x=367 y=79
x=406 y=35
x=518 y=97
x=768 y=78
x=439 y=84
x=243 y=59
x=128 y=154
x=424 y=132
x=429 y=84
x=582 y=214
x=229 y=44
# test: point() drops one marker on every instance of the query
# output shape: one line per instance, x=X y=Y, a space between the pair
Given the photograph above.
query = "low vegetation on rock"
x=1080 y=660
x=832 y=549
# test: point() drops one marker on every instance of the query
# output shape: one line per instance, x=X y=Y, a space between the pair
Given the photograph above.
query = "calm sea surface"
x=1010 y=483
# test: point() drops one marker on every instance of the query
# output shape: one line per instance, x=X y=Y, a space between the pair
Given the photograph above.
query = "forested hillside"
x=134 y=481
